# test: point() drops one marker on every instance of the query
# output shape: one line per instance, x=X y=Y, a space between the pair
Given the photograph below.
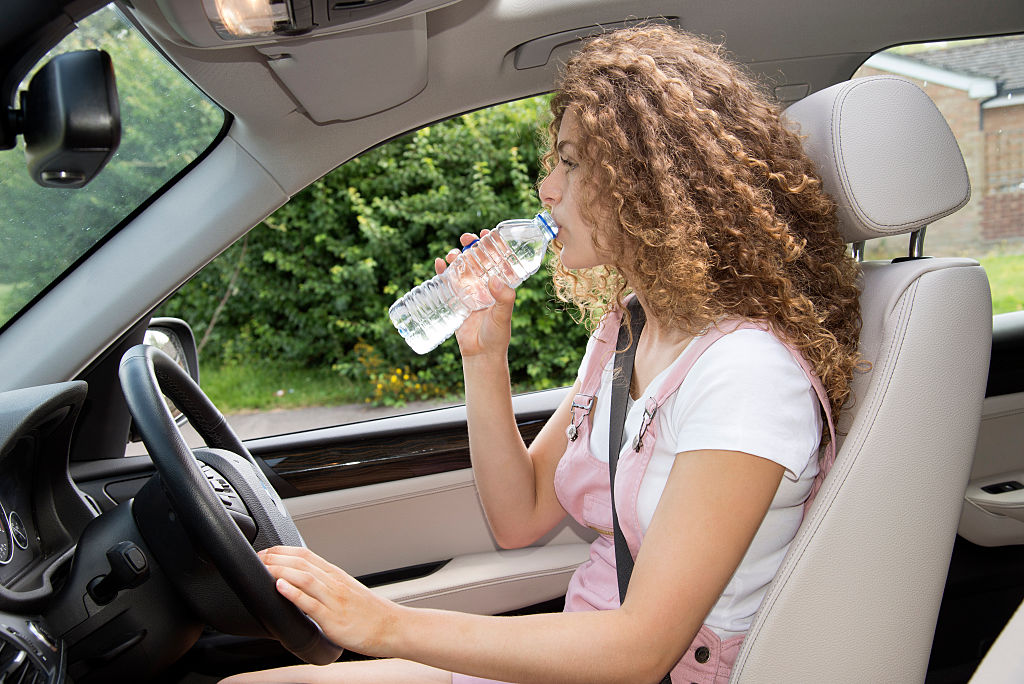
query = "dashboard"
x=19 y=542
x=42 y=514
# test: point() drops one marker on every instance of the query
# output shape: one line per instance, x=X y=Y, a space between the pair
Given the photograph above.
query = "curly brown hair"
x=708 y=201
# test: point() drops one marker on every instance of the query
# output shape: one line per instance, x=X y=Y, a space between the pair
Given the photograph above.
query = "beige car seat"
x=857 y=597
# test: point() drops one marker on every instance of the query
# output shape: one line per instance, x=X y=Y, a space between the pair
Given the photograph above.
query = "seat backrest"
x=858 y=594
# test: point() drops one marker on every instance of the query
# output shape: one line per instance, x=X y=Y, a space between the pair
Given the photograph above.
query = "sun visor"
x=351 y=75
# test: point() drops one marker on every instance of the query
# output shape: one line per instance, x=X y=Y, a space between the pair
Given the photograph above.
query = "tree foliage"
x=315 y=281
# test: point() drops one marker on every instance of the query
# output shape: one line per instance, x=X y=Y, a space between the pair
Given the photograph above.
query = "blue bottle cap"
x=549 y=223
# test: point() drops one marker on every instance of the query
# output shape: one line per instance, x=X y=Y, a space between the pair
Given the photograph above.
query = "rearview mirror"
x=70 y=119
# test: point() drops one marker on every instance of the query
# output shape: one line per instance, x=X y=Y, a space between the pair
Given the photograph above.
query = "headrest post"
x=858 y=250
x=917 y=243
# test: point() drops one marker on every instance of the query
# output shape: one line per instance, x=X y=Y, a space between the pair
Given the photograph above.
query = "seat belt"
x=621 y=378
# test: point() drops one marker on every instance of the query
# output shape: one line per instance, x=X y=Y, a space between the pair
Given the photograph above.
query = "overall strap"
x=605 y=345
x=590 y=374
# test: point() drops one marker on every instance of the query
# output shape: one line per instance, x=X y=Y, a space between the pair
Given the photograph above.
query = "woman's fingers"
x=320 y=592
x=301 y=599
x=466 y=239
x=305 y=579
x=504 y=299
x=349 y=614
x=441 y=264
x=299 y=557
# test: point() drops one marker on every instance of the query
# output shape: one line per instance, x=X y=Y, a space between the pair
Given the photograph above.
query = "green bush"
x=312 y=284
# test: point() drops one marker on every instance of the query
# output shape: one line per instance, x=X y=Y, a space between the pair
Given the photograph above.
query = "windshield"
x=166 y=123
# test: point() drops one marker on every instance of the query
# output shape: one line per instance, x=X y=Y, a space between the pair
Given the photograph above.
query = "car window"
x=292 y=321
x=166 y=124
x=979 y=86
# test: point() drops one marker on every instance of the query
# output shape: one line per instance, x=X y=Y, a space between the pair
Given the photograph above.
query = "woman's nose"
x=549 y=191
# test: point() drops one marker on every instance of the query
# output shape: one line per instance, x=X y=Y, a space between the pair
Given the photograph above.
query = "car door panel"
x=383 y=450
x=408 y=522
x=397 y=493
x=999 y=454
x=432 y=519
x=495 y=582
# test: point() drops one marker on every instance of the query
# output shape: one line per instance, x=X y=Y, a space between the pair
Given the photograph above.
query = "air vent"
x=17 y=666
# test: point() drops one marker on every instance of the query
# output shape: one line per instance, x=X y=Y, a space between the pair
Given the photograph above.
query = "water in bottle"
x=431 y=312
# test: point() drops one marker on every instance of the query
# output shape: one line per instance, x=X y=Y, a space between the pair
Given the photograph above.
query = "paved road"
x=280 y=421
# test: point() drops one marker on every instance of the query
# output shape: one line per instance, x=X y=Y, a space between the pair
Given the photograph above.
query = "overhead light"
x=234 y=19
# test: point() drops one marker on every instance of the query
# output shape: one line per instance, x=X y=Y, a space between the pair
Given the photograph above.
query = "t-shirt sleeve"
x=747 y=393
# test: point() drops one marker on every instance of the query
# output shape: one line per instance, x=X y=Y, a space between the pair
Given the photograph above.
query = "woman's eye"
x=570 y=165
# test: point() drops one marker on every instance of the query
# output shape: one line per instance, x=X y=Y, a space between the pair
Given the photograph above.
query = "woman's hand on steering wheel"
x=349 y=614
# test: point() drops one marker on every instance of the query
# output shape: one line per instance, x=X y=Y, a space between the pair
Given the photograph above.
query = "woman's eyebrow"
x=563 y=144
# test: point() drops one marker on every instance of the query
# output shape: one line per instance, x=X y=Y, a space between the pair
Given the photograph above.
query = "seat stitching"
x=833 y=482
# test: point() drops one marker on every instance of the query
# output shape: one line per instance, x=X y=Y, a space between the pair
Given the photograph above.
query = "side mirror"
x=173 y=337
x=70 y=119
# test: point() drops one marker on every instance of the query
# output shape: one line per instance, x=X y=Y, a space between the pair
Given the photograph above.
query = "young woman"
x=673 y=181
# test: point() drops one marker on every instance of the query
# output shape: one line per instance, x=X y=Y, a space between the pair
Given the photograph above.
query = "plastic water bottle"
x=431 y=312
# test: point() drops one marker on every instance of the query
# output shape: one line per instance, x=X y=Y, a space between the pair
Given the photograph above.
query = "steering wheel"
x=144 y=372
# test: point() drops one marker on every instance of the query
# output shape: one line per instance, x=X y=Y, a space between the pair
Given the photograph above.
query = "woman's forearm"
x=590 y=647
x=504 y=472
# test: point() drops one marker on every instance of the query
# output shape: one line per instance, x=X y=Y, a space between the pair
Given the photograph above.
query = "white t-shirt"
x=745 y=393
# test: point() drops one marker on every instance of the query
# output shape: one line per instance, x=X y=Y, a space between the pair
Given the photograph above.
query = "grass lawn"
x=267 y=386
x=1006 y=277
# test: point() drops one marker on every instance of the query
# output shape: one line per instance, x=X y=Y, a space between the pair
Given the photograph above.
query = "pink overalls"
x=581 y=484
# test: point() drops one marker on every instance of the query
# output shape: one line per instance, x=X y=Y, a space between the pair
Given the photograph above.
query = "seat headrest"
x=885 y=153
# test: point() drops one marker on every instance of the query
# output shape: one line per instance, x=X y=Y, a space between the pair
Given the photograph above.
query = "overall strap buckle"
x=582 y=405
x=650 y=409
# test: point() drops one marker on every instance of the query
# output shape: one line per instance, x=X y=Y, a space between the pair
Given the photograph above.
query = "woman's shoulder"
x=748 y=393
x=751 y=354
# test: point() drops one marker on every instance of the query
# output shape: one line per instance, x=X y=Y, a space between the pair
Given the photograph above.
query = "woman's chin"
x=576 y=264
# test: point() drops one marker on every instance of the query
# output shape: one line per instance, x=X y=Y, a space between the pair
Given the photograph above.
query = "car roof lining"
x=469 y=63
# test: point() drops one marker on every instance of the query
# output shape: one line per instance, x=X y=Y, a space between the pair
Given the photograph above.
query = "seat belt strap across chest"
x=625 y=351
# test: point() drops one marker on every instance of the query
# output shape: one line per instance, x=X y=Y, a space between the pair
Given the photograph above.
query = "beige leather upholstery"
x=885 y=153
x=858 y=594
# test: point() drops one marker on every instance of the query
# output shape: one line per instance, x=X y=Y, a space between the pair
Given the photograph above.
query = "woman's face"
x=561 y=190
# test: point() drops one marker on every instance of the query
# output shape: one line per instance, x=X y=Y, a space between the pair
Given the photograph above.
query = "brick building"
x=979 y=87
